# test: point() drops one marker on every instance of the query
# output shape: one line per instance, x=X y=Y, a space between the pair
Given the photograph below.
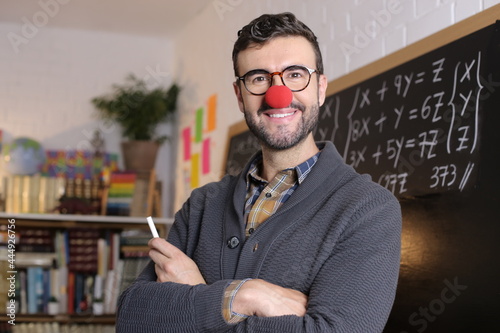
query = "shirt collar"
x=302 y=170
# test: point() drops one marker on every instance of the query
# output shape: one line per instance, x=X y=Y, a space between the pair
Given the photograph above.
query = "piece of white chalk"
x=152 y=227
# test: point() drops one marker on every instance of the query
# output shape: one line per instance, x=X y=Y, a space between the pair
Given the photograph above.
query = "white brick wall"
x=204 y=48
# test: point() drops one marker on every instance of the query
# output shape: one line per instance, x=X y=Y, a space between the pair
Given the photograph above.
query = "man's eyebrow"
x=258 y=70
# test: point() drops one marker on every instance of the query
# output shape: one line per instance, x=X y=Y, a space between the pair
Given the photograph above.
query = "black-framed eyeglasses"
x=295 y=77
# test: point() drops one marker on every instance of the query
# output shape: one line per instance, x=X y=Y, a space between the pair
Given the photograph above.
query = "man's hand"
x=263 y=299
x=172 y=265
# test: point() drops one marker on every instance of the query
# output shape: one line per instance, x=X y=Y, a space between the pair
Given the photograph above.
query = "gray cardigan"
x=336 y=239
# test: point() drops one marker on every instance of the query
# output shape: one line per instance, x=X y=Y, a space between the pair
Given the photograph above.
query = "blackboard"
x=242 y=144
x=416 y=127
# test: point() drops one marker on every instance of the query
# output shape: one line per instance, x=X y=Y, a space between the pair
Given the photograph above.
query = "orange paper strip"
x=212 y=112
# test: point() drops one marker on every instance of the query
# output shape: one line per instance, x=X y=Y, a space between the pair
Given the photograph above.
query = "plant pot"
x=139 y=155
x=53 y=308
x=98 y=308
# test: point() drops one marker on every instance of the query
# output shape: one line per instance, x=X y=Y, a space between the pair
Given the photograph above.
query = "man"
x=298 y=242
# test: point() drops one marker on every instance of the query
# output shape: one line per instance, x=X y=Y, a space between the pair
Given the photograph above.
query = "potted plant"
x=98 y=307
x=53 y=306
x=138 y=111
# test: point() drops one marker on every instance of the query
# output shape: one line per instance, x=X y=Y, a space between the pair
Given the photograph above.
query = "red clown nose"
x=279 y=97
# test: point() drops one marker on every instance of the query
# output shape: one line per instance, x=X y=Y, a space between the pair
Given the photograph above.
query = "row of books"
x=116 y=193
x=132 y=193
x=32 y=194
x=120 y=193
x=62 y=171
x=80 y=270
x=39 y=195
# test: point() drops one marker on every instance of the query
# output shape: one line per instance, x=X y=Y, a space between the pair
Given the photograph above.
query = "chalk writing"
x=414 y=128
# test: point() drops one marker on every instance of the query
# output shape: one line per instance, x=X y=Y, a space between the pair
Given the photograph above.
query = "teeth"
x=281 y=115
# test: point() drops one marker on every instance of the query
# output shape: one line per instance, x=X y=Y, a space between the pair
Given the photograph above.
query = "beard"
x=284 y=138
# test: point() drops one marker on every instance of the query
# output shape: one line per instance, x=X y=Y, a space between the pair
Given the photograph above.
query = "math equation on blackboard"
x=415 y=128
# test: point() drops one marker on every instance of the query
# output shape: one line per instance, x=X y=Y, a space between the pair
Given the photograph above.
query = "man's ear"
x=239 y=97
x=322 y=85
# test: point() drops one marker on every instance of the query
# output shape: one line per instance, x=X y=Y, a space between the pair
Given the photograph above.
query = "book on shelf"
x=41 y=259
x=71 y=293
x=112 y=288
x=32 y=194
x=51 y=189
x=135 y=255
x=83 y=250
x=35 y=240
x=132 y=193
x=132 y=267
x=21 y=292
x=4 y=267
x=135 y=237
x=35 y=289
x=79 y=302
x=120 y=193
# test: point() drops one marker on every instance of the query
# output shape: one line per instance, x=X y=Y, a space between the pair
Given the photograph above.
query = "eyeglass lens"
x=296 y=78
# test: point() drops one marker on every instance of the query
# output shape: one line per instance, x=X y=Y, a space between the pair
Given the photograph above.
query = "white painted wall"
x=48 y=80
x=352 y=33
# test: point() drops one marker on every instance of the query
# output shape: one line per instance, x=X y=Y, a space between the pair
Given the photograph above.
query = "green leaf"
x=137 y=110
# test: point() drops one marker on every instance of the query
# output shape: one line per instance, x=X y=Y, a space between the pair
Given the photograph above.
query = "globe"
x=24 y=156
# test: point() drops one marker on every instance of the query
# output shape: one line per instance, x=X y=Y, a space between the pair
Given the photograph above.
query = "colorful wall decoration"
x=197 y=143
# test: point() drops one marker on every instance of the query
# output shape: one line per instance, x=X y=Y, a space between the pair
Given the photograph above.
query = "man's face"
x=281 y=128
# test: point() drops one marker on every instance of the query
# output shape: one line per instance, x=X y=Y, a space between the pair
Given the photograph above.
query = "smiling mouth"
x=281 y=115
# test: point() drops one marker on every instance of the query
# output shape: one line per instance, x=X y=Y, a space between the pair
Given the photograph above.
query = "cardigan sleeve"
x=153 y=307
x=150 y=306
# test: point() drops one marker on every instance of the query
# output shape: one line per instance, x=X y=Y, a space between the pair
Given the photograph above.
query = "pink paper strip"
x=186 y=138
x=206 y=156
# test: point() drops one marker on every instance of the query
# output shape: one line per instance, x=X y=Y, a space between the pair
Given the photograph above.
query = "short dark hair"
x=269 y=26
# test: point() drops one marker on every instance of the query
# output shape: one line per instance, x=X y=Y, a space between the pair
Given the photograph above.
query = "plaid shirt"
x=262 y=201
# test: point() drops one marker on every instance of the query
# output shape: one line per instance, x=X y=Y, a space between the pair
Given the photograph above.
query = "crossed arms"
x=255 y=297
x=320 y=276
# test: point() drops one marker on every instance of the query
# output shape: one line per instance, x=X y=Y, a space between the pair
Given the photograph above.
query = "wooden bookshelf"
x=85 y=221
x=124 y=250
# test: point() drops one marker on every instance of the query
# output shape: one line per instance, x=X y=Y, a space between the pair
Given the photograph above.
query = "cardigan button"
x=233 y=242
